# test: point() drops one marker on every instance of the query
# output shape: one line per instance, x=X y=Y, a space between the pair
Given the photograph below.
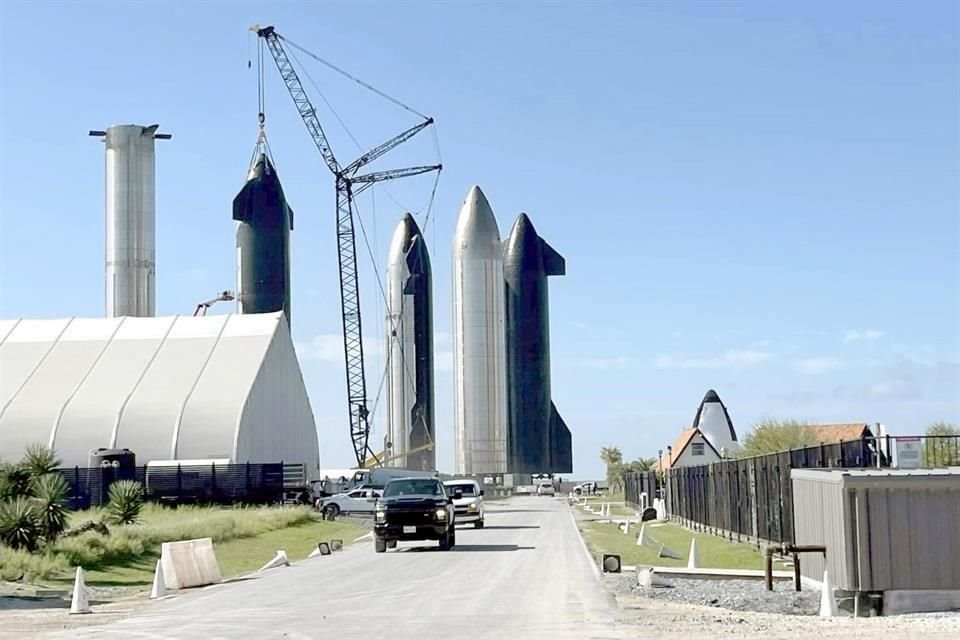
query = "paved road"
x=525 y=576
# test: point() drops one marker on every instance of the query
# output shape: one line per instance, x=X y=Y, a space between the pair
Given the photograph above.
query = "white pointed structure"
x=479 y=341
x=828 y=604
x=79 y=603
x=626 y=526
x=714 y=423
x=693 y=561
x=644 y=537
x=159 y=584
x=279 y=560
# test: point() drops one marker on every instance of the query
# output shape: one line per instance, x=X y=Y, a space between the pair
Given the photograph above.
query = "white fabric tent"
x=172 y=388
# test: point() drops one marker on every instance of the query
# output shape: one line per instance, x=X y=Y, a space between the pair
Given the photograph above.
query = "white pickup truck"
x=469 y=507
x=357 y=501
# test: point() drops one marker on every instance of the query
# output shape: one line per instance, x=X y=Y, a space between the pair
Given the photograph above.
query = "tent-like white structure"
x=170 y=388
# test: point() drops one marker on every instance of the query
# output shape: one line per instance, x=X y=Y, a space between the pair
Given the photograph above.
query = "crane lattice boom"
x=345 y=179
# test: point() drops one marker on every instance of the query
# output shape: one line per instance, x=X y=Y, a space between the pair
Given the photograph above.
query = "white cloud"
x=818 y=365
x=328 y=347
x=854 y=335
x=730 y=359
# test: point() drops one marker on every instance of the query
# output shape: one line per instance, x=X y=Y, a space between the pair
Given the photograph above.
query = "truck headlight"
x=380 y=515
x=441 y=514
x=472 y=506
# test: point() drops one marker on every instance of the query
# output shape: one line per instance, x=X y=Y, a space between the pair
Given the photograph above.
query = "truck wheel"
x=478 y=524
x=391 y=544
x=445 y=541
x=379 y=544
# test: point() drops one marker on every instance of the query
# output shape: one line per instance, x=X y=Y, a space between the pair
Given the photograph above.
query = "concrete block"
x=189 y=563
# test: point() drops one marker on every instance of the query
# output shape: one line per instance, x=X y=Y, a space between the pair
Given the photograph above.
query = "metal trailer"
x=884 y=530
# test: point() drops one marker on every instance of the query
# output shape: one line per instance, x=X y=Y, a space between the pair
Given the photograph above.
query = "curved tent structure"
x=169 y=388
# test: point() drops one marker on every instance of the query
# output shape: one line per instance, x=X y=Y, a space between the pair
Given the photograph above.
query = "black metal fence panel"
x=637 y=483
x=220 y=484
x=753 y=497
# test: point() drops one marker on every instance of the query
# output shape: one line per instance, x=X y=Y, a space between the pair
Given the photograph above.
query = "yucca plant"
x=14 y=481
x=124 y=501
x=40 y=460
x=50 y=494
x=19 y=524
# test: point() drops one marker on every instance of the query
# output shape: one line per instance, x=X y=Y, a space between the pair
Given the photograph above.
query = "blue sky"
x=761 y=198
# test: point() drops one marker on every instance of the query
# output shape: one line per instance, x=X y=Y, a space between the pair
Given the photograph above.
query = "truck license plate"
x=410 y=529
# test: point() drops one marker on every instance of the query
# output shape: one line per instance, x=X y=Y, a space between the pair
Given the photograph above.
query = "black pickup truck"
x=414 y=509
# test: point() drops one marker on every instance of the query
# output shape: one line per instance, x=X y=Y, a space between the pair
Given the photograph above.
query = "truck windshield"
x=465 y=489
x=412 y=487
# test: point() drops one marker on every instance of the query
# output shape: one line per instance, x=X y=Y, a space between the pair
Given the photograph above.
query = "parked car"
x=545 y=489
x=468 y=508
x=360 y=501
x=414 y=509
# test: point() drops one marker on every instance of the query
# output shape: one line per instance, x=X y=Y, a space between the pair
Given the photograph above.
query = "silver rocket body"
x=480 y=404
x=130 y=220
x=409 y=340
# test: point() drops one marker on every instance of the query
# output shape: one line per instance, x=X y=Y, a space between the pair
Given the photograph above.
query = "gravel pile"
x=736 y=595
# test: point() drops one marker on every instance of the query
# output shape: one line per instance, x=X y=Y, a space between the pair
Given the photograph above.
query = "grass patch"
x=130 y=550
x=236 y=556
x=713 y=552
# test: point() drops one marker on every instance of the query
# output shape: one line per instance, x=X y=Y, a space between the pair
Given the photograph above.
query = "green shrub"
x=19 y=523
x=50 y=497
x=17 y=564
x=125 y=500
x=14 y=481
x=40 y=460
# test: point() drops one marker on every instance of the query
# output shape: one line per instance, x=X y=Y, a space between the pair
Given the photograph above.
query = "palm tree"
x=613 y=458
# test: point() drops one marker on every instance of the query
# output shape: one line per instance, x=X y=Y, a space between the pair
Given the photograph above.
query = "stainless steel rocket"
x=713 y=421
x=263 y=242
x=479 y=368
x=538 y=439
x=410 y=428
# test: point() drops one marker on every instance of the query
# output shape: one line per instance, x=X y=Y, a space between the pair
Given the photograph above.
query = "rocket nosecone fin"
x=562 y=443
x=553 y=263
x=261 y=201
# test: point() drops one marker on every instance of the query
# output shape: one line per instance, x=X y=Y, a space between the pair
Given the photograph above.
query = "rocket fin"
x=413 y=264
x=553 y=263
x=561 y=443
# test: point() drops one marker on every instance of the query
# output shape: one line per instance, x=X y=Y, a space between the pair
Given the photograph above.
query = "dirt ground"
x=27 y=618
x=668 y=620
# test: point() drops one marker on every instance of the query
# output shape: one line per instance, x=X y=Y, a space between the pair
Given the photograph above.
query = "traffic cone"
x=626 y=526
x=644 y=537
x=279 y=560
x=693 y=561
x=828 y=605
x=79 y=603
x=159 y=585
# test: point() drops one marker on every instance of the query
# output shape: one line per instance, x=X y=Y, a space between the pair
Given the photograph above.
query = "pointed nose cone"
x=403 y=236
x=711 y=396
x=523 y=246
x=477 y=234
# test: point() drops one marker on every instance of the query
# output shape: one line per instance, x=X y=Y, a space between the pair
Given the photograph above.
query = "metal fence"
x=637 y=483
x=753 y=497
x=248 y=483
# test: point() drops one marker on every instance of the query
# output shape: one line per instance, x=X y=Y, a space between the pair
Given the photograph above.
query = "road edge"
x=583 y=544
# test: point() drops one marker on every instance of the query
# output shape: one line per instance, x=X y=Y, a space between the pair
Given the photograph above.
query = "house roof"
x=683 y=441
x=828 y=433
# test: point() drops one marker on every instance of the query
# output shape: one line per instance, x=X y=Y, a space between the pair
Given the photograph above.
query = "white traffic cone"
x=279 y=560
x=626 y=527
x=79 y=603
x=828 y=604
x=159 y=584
x=643 y=538
x=693 y=561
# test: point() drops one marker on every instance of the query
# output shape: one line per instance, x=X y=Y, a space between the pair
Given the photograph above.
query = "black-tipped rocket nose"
x=711 y=396
x=409 y=224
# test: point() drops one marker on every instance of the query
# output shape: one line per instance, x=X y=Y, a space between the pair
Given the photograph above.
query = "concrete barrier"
x=189 y=563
